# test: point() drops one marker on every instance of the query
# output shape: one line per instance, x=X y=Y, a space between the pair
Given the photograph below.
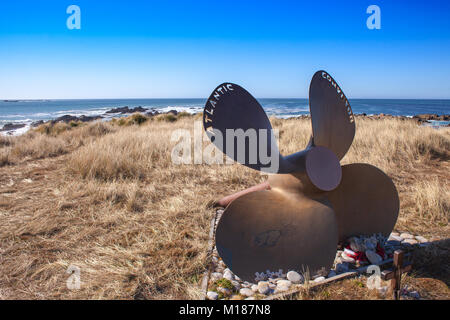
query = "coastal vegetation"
x=106 y=197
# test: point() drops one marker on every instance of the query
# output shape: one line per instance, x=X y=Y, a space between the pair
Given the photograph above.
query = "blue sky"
x=176 y=49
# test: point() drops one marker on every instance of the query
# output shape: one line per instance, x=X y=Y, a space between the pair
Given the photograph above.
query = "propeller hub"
x=323 y=168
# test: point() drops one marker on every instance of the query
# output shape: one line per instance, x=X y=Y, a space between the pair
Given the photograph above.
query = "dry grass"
x=107 y=198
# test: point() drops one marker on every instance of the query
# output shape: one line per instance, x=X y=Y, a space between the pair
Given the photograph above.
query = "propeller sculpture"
x=313 y=202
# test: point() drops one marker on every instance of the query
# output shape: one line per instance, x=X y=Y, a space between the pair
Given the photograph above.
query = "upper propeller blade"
x=366 y=201
x=332 y=119
x=272 y=230
x=237 y=124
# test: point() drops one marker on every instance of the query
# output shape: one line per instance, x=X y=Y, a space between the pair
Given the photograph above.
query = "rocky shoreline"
x=9 y=128
x=122 y=111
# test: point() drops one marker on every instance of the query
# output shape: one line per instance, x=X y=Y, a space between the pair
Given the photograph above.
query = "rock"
x=373 y=257
x=236 y=285
x=429 y=116
x=395 y=234
x=216 y=276
x=246 y=292
x=12 y=126
x=319 y=279
x=212 y=295
x=407 y=236
x=263 y=287
x=283 y=285
x=225 y=291
x=37 y=123
x=228 y=275
x=410 y=241
x=395 y=238
x=254 y=288
x=246 y=284
x=220 y=269
x=295 y=277
x=250 y=298
x=68 y=118
x=236 y=297
x=124 y=110
x=421 y=239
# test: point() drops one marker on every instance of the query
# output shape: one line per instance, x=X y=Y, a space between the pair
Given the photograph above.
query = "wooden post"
x=395 y=274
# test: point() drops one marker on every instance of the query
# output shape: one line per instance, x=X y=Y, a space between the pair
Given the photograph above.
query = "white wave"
x=16 y=132
x=191 y=109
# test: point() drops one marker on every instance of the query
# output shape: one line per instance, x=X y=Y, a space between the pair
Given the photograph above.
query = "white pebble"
x=246 y=292
x=421 y=239
x=263 y=287
x=407 y=236
x=228 y=275
x=283 y=285
x=294 y=277
x=236 y=285
x=216 y=276
x=212 y=295
x=319 y=279
x=396 y=238
x=410 y=241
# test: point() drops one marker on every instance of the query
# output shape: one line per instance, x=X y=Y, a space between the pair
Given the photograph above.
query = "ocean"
x=28 y=111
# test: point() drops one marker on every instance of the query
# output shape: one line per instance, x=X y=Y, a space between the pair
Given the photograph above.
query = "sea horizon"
x=28 y=111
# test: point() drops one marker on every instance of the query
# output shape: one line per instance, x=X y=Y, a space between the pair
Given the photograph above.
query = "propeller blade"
x=272 y=230
x=252 y=142
x=237 y=125
x=332 y=119
x=366 y=201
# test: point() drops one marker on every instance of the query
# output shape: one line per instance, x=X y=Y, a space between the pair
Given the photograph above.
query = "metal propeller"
x=313 y=202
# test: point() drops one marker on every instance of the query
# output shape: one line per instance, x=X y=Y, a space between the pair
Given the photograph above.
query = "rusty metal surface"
x=366 y=202
x=271 y=230
x=313 y=202
x=231 y=107
x=332 y=119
